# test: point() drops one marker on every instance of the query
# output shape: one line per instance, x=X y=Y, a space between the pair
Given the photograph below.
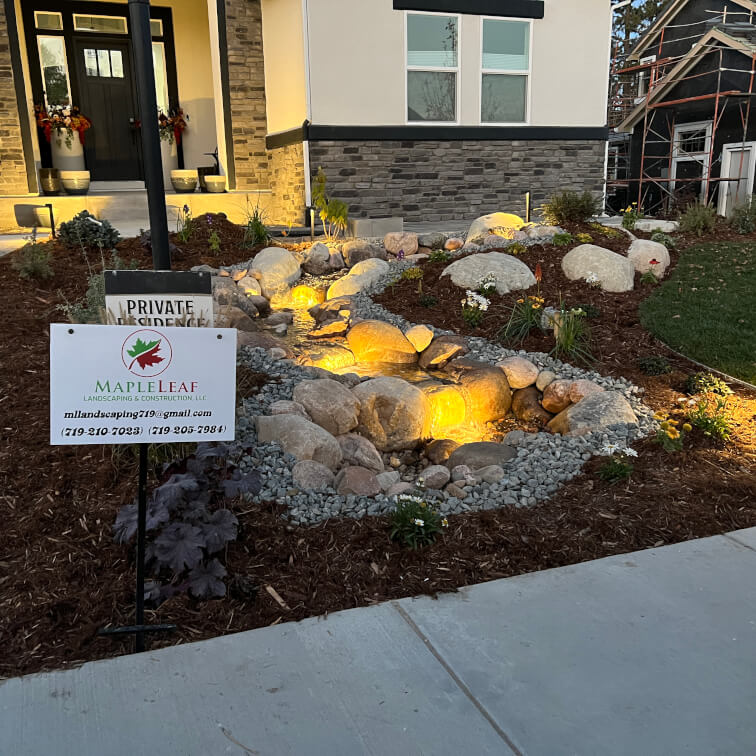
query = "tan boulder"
x=420 y=336
x=376 y=341
x=487 y=393
x=330 y=404
x=556 y=396
x=401 y=241
x=357 y=481
x=601 y=411
x=448 y=407
x=520 y=372
x=300 y=438
x=441 y=350
x=360 y=452
x=582 y=388
x=526 y=406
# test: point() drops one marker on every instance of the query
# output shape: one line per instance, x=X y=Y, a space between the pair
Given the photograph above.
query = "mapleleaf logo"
x=146 y=353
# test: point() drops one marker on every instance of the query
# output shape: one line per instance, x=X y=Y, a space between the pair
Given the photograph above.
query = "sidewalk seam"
x=735 y=539
x=461 y=685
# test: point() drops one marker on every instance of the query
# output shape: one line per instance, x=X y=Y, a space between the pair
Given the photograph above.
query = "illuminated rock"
x=376 y=341
x=329 y=404
x=329 y=330
x=303 y=297
x=441 y=350
x=602 y=411
x=300 y=438
x=277 y=268
x=501 y=224
x=329 y=357
x=485 y=388
x=420 y=336
x=448 y=407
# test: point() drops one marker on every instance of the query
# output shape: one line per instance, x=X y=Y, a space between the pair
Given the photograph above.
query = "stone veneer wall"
x=443 y=180
x=286 y=168
x=13 y=166
x=246 y=75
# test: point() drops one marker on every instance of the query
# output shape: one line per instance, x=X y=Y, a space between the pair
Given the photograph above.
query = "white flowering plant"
x=487 y=285
x=474 y=307
x=593 y=280
x=618 y=467
x=414 y=523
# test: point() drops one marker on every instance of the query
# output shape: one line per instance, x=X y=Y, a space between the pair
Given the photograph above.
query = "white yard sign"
x=128 y=384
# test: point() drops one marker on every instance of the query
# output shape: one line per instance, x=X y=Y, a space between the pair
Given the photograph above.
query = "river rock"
x=441 y=350
x=582 y=388
x=288 y=407
x=420 y=336
x=328 y=357
x=453 y=244
x=329 y=330
x=510 y=274
x=377 y=341
x=598 y=412
x=448 y=407
x=526 y=406
x=505 y=223
x=357 y=481
x=234 y=317
x=461 y=473
x=330 y=310
x=329 y=404
x=261 y=340
x=556 y=396
x=360 y=452
x=643 y=251
x=312 y=476
x=481 y=454
x=434 y=477
x=520 y=372
x=388 y=479
x=317 y=261
x=484 y=387
x=545 y=377
x=300 y=438
x=440 y=450
x=490 y=474
x=361 y=275
x=359 y=250
x=393 y=413
x=432 y=240
x=542 y=233
x=277 y=268
x=615 y=272
x=249 y=285
x=401 y=241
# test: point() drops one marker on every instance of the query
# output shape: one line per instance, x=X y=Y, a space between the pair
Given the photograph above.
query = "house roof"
x=668 y=13
x=701 y=48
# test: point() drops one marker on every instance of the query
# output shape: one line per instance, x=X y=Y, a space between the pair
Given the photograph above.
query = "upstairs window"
x=432 y=67
x=505 y=69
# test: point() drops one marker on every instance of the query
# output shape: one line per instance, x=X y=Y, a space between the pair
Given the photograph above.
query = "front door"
x=738 y=166
x=107 y=97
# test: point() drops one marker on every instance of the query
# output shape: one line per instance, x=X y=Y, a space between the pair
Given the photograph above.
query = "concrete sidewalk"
x=646 y=653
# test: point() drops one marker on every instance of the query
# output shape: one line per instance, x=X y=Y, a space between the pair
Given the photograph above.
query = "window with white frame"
x=505 y=70
x=432 y=67
x=691 y=145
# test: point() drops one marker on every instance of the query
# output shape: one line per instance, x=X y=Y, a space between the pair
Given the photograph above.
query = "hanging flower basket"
x=62 y=124
x=172 y=126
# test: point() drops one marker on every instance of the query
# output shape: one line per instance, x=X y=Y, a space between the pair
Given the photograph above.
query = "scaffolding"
x=657 y=188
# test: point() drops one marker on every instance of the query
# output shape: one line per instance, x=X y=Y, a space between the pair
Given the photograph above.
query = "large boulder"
x=556 y=396
x=312 y=476
x=526 y=406
x=359 y=277
x=359 y=250
x=317 y=261
x=509 y=273
x=597 y=412
x=441 y=350
x=432 y=240
x=505 y=224
x=357 y=481
x=401 y=241
x=448 y=407
x=249 y=286
x=331 y=310
x=300 y=438
x=481 y=454
x=360 y=452
x=485 y=389
x=276 y=269
x=615 y=272
x=650 y=225
x=393 y=413
x=641 y=254
x=328 y=357
x=330 y=404
x=420 y=336
x=377 y=341
x=520 y=372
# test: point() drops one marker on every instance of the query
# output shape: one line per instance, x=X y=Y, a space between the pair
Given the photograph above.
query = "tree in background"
x=632 y=20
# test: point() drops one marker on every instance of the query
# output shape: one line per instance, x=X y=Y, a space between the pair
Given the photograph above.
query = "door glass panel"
x=103 y=62
x=52 y=58
x=156 y=27
x=116 y=64
x=104 y=24
x=48 y=21
x=161 y=78
x=90 y=62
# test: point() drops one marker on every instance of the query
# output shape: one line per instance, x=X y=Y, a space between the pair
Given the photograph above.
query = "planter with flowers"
x=64 y=129
x=172 y=127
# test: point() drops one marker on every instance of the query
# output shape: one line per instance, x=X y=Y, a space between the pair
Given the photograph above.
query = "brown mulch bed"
x=62 y=577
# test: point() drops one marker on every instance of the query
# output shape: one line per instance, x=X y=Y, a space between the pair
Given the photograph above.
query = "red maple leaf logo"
x=146 y=354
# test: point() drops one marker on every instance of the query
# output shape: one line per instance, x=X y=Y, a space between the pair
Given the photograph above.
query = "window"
x=161 y=77
x=156 y=27
x=432 y=67
x=691 y=143
x=692 y=140
x=48 y=21
x=106 y=64
x=505 y=67
x=644 y=76
x=52 y=60
x=101 y=24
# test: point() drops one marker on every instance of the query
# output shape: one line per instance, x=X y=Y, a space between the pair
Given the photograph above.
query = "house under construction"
x=682 y=108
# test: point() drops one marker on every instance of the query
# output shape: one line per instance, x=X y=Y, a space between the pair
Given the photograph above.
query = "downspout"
x=308 y=101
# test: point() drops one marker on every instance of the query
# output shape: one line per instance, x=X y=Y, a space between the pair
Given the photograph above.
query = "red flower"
x=653 y=262
x=538 y=273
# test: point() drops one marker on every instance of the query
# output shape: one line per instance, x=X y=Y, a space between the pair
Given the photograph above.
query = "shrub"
x=84 y=230
x=474 y=307
x=516 y=249
x=569 y=207
x=334 y=213
x=712 y=421
x=698 y=219
x=665 y=239
x=414 y=523
x=439 y=255
x=414 y=274
x=584 y=238
x=591 y=311
x=743 y=218
x=630 y=215
x=256 y=232
x=572 y=335
x=669 y=436
x=654 y=365
x=32 y=261
x=562 y=240
x=427 y=300
x=526 y=314
x=608 y=231
x=706 y=383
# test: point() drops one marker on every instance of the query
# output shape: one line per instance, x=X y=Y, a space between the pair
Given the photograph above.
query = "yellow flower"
x=536 y=306
x=673 y=433
x=659 y=416
x=665 y=425
x=520 y=301
x=423 y=504
x=673 y=422
x=687 y=427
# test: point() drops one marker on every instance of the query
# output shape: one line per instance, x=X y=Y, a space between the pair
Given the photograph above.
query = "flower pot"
x=215 y=184
x=49 y=181
x=67 y=157
x=169 y=158
x=184 y=181
x=203 y=171
x=75 y=182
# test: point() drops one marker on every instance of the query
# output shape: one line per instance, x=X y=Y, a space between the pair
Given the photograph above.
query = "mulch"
x=62 y=577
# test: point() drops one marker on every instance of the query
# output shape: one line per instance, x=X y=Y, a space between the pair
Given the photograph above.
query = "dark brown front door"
x=107 y=96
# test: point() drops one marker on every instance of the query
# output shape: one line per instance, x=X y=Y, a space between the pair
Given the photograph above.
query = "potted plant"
x=64 y=129
x=171 y=127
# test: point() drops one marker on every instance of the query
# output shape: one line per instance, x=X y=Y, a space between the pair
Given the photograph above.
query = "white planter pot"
x=67 y=158
x=169 y=157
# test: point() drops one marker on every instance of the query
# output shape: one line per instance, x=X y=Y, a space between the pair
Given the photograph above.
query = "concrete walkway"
x=646 y=653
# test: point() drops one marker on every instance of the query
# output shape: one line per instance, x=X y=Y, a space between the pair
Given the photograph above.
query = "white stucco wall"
x=285 y=75
x=357 y=63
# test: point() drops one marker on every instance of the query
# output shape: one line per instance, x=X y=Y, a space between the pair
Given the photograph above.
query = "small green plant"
x=487 y=285
x=668 y=435
x=661 y=238
x=474 y=308
x=698 y=219
x=654 y=365
x=712 y=420
x=184 y=224
x=608 y=231
x=214 y=241
x=334 y=213
x=706 y=383
x=256 y=232
x=584 y=238
x=428 y=300
x=414 y=523
x=516 y=249
x=414 y=274
x=33 y=262
x=572 y=335
x=525 y=315
x=562 y=240
x=649 y=277
x=569 y=207
x=439 y=256
x=743 y=218
x=591 y=311
x=630 y=215
x=85 y=231
x=618 y=467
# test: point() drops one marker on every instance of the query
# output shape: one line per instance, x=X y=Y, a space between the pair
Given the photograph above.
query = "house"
x=417 y=109
x=691 y=130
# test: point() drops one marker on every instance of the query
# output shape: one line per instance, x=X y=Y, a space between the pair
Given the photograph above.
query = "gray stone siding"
x=443 y=180
x=286 y=169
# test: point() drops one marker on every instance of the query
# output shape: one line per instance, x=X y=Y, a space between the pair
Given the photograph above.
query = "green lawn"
x=707 y=308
